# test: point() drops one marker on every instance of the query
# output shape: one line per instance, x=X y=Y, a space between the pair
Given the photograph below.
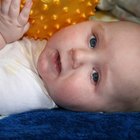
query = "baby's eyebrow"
x=99 y=29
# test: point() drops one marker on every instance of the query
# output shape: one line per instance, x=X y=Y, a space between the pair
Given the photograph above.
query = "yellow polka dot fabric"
x=48 y=16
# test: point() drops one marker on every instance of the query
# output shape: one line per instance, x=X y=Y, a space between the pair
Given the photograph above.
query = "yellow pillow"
x=48 y=16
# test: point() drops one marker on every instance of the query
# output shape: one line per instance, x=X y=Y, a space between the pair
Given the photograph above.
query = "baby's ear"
x=106 y=4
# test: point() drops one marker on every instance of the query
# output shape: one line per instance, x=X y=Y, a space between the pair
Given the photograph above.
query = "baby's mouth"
x=58 y=66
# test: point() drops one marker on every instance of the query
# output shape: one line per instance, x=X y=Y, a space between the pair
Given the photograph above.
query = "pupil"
x=93 y=42
x=95 y=77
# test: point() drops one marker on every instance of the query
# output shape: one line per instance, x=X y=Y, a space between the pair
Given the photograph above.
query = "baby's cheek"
x=66 y=93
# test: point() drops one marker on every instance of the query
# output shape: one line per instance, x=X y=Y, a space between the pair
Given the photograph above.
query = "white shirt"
x=21 y=88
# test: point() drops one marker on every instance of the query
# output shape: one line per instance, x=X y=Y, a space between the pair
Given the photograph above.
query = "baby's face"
x=93 y=66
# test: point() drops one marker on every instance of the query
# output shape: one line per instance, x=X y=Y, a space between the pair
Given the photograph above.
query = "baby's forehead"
x=76 y=29
x=79 y=26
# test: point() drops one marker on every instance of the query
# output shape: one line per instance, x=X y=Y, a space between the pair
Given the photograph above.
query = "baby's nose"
x=81 y=57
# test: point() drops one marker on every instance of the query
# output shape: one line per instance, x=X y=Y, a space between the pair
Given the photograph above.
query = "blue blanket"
x=59 y=124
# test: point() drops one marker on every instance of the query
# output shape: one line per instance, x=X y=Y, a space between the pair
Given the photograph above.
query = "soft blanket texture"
x=68 y=125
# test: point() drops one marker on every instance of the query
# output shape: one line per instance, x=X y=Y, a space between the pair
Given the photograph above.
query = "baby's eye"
x=92 y=42
x=95 y=76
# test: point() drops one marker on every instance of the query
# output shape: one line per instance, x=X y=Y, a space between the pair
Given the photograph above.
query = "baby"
x=90 y=66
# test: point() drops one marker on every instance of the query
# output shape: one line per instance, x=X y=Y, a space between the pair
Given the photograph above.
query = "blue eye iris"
x=93 y=42
x=95 y=76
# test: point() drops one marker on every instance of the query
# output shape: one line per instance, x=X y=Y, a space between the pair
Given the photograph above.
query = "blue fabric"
x=59 y=124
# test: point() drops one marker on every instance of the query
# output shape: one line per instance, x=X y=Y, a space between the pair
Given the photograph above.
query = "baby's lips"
x=56 y=63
